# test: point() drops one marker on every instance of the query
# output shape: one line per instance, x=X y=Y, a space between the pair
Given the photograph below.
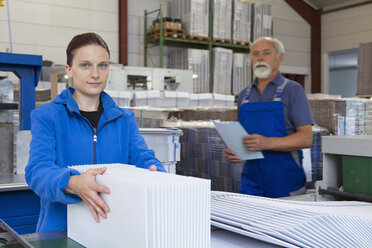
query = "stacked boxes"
x=241 y=22
x=222 y=17
x=174 y=99
x=347 y=116
x=222 y=69
x=242 y=75
x=208 y=113
x=220 y=100
x=146 y=98
x=262 y=19
x=205 y=99
x=122 y=98
x=194 y=15
x=196 y=60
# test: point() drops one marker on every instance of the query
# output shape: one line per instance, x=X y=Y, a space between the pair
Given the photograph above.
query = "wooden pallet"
x=364 y=96
x=167 y=33
x=227 y=41
x=195 y=37
x=241 y=43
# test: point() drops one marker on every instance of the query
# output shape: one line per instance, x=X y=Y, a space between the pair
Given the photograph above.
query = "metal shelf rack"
x=185 y=43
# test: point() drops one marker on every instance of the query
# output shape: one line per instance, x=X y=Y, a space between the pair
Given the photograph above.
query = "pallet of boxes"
x=172 y=27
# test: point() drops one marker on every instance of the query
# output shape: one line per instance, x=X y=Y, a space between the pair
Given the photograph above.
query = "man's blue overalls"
x=279 y=173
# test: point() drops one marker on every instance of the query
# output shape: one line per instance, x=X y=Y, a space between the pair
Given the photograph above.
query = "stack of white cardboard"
x=196 y=60
x=262 y=20
x=146 y=98
x=147 y=209
x=241 y=20
x=122 y=98
x=289 y=223
x=174 y=99
x=194 y=15
x=222 y=13
x=222 y=68
x=221 y=100
x=204 y=99
x=165 y=143
x=241 y=72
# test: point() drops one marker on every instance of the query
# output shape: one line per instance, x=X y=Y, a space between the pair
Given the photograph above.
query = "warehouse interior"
x=182 y=67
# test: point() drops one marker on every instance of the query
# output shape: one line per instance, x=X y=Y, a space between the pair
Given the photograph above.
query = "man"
x=276 y=114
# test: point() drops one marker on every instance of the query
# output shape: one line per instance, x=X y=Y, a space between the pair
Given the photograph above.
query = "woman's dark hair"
x=82 y=40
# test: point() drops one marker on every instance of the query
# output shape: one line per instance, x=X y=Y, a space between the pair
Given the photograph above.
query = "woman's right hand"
x=88 y=189
x=231 y=156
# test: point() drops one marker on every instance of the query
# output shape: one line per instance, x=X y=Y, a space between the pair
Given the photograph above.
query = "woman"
x=82 y=125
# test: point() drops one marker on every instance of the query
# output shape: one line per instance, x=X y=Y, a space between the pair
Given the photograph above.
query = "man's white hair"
x=279 y=47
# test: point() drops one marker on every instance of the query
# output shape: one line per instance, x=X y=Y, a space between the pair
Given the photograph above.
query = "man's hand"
x=153 y=168
x=88 y=189
x=231 y=156
x=256 y=142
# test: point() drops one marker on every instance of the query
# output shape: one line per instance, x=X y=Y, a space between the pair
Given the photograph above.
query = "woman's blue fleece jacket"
x=62 y=137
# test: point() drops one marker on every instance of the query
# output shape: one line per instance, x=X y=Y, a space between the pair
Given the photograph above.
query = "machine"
x=124 y=78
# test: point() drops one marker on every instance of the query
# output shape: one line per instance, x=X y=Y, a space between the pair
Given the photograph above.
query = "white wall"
x=136 y=10
x=45 y=27
x=343 y=30
x=294 y=32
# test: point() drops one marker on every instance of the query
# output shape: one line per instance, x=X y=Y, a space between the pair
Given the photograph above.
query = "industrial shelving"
x=208 y=44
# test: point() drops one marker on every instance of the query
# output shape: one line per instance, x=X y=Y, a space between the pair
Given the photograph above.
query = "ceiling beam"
x=311 y=16
x=123 y=32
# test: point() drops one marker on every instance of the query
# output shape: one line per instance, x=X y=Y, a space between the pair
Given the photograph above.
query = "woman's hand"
x=88 y=189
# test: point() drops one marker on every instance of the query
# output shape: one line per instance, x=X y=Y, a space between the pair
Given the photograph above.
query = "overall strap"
x=279 y=91
x=247 y=94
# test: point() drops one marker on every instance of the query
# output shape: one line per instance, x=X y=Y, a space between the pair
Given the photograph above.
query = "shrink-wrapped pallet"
x=222 y=17
x=261 y=16
x=241 y=73
x=241 y=24
x=222 y=70
x=196 y=60
x=194 y=15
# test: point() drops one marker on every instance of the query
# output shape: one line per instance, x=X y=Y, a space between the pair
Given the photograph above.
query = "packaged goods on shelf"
x=222 y=17
x=174 y=99
x=346 y=116
x=194 y=15
x=222 y=100
x=146 y=98
x=241 y=21
x=222 y=69
x=242 y=75
x=196 y=60
x=203 y=99
x=207 y=113
x=122 y=98
x=262 y=20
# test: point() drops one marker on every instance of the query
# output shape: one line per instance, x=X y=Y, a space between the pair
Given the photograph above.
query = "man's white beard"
x=262 y=72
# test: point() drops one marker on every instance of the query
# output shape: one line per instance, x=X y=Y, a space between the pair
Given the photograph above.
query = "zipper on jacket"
x=94 y=147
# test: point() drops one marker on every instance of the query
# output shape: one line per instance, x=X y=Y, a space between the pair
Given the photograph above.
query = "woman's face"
x=89 y=70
